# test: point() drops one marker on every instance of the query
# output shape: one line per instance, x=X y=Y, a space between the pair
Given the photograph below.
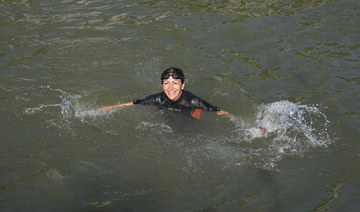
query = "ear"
x=183 y=86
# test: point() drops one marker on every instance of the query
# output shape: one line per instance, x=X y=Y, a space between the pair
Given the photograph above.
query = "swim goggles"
x=174 y=75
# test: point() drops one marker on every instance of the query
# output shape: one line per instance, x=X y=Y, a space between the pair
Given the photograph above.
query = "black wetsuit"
x=186 y=100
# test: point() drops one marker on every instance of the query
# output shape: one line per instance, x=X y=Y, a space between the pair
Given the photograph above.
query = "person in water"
x=174 y=96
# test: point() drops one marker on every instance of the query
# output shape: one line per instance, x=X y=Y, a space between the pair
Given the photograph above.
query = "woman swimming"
x=174 y=96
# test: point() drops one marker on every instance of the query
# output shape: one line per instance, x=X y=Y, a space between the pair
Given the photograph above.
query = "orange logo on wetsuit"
x=196 y=113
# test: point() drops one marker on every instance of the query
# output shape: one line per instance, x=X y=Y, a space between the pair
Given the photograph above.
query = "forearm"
x=231 y=116
x=125 y=104
x=105 y=109
x=223 y=113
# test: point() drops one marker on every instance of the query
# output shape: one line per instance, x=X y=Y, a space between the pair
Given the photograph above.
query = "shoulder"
x=157 y=97
x=197 y=102
x=188 y=94
x=151 y=99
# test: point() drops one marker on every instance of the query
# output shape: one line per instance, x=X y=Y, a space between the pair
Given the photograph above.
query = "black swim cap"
x=173 y=70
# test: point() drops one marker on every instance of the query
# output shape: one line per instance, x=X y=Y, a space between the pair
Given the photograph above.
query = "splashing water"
x=292 y=129
x=67 y=100
x=85 y=113
x=69 y=106
x=289 y=119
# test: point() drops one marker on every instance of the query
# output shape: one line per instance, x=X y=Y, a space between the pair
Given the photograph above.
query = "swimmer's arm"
x=106 y=109
x=233 y=117
x=223 y=113
x=230 y=116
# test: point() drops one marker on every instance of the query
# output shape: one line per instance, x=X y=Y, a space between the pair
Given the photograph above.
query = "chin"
x=173 y=98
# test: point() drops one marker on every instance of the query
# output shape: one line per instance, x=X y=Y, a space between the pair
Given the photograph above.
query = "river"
x=292 y=67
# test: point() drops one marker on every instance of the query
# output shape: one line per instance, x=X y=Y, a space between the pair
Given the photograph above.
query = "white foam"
x=83 y=113
x=292 y=129
x=69 y=105
x=288 y=119
x=160 y=127
x=66 y=105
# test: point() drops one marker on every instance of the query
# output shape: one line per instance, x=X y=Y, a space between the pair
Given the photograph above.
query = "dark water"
x=291 y=66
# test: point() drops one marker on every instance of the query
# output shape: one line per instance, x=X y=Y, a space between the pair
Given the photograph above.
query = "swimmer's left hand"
x=263 y=130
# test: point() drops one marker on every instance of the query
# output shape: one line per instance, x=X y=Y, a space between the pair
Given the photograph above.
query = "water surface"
x=290 y=66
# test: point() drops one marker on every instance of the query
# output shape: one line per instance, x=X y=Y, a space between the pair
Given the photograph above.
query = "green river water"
x=290 y=66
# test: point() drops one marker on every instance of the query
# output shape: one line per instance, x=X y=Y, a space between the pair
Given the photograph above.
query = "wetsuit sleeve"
x=202 y=104
x=149 y=100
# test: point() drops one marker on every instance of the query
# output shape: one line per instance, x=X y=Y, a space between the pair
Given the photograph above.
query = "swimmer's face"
x=173 y=88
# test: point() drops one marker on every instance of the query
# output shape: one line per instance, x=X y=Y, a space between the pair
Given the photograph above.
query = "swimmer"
x=174 y=96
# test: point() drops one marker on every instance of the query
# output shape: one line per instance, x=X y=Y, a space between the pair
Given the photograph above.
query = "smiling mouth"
x=171 y=92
